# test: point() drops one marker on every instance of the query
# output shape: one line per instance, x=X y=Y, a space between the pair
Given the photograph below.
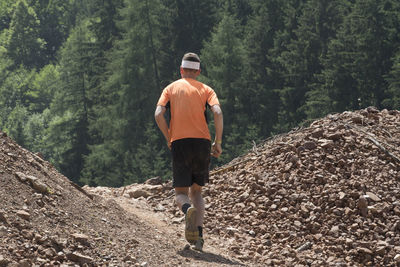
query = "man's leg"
x=198 y=203
x=181 y=196
x=191 y=229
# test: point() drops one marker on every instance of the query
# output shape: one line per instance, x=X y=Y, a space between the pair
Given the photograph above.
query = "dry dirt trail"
x=166 y=236
x=46 y=220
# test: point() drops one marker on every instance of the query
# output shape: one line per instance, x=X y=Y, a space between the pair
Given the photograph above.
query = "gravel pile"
x=326 y=195
x=46 y=220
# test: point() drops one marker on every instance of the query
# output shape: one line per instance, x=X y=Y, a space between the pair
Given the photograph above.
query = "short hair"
x=191 y=57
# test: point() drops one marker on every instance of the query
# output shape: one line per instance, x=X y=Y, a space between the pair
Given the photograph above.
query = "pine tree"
x=15 y=123
x=54 y=25
x=314 y=27
x=5 y=13
x=260 y=76
x=393 y=91
x=360 y=57
x=68 y=131
x=223 y=60
x=133 y=88
x=187 y=26
x=24 y=45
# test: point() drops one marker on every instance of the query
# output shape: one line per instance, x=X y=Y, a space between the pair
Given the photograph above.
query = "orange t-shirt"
x=188 y=98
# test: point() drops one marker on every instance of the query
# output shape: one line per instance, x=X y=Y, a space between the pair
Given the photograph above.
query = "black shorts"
x=190 y=161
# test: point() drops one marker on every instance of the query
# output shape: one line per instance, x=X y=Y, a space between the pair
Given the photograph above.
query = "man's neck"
x=190 y=76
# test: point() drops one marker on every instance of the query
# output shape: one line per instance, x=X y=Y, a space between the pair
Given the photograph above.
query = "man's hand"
x=216 y=149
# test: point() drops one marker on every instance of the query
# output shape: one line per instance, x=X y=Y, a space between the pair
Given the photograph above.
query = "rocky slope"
x=45 y=220
x=326 y=195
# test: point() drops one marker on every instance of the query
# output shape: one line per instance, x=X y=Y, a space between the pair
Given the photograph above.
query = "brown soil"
x=326 y=195
x=45 y=220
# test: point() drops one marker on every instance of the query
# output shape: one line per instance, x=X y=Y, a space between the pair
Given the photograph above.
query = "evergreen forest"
x=79 y=80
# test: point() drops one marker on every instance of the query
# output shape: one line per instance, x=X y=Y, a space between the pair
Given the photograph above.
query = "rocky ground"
x=325 y=195
x=45 y=220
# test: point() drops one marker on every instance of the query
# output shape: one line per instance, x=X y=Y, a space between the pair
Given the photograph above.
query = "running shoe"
x=191 y=230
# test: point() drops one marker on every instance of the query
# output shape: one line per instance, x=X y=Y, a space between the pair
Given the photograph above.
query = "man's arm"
x=162 y=123
x=219 y=126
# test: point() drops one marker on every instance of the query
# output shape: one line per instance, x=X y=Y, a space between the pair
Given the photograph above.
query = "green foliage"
x=34 y=131
x=14 y=125
x=15 y=88
x=224 y=57
x=132 y=88
x=79 y=80
x=44 y=86
x=393 y=90
x=150 y=160
x=5 y=13
x=54 y=27
x=24 y=45
x=358 y=59
x=71 y=104
x=186 y=26
x=62 y=142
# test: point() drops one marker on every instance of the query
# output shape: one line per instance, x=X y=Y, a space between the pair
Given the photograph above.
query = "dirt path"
x=168 y=241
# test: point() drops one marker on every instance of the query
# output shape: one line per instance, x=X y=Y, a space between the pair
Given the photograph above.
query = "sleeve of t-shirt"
x=164 y=98
x=212 y=98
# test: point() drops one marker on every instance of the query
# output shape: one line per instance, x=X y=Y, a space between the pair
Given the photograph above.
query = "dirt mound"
x=326 y=195
x=46 y=220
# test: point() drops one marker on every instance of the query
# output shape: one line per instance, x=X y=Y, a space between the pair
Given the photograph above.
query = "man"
x=189 y=139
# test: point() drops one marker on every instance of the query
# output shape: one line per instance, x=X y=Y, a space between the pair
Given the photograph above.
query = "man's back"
x=188 y=98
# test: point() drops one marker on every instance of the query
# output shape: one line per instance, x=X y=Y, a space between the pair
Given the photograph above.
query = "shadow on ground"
x=207 y=257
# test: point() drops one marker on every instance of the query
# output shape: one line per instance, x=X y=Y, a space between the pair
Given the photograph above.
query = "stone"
x=372 y=109
x=335 y=136
x=28 y=234
x=21 y=176
x=305 y=246
x=3 y=262
x=381 y=251
x=357 y=120
x=318 y=133
x=373 y=197
x=79 y=258
x=81 y=238
x=39 y=186
x=3 y=217
x=154 y=181
x=334 y=229
x=24 y=263
x=364 y=250
x=3 y=231
x=138 y=193
x=24 y=215
x=397 y=258
x=363 y=206
x=310 y=145
x=325 y=143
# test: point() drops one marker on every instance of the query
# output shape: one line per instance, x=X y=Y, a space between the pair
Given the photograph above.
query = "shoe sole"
x=191 y=231
x=199 y=245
